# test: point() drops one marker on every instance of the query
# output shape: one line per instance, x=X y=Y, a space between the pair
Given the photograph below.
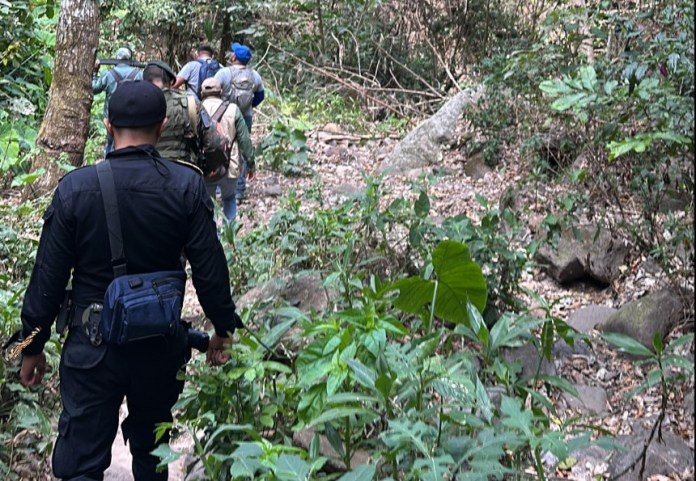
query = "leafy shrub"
x=285 y=147
x=636 y=117
x=25 y=419
x=367 y=377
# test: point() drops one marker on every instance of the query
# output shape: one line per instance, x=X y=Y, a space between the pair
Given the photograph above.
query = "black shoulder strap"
x=132 y=74
x=220 y=111
x=113 y=221
x=117 y=76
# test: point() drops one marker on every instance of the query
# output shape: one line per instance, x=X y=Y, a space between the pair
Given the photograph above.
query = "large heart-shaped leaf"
x=458 y=280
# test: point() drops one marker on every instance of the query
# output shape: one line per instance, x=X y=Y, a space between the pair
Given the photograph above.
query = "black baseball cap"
x=137 y=104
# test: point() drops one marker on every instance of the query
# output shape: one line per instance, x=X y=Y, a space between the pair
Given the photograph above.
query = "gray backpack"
x=120 y=79
x=241 y=87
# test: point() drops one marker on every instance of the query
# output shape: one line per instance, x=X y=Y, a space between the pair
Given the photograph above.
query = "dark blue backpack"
x=209 y=67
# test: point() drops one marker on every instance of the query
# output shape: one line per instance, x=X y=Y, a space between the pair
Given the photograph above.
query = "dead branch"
x=444 y=65
x=349 y=85
x=405 y=67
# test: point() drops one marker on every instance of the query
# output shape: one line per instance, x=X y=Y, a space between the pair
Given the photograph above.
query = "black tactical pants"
x=93 y=383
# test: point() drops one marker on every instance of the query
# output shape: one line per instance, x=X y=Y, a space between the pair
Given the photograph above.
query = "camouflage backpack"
x=214 y=146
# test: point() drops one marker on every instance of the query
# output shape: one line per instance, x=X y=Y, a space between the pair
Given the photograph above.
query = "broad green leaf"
x=568 y=101
x=560 y=383
x=588 y=77
x=245 y=459
x=24 y=179
x=414 y=294
x=341 y=413
x=483 y=402
x=384 y=385
x=291 y=467
x=334 y=438
x=617 y=149
x=244 y=467
x=277 y=331
x=516 y=416
x=554 y=441
x=364 y=472
x=680 y=341
x=404 y=434
x=335 y=380
x=641 y=142
x=314 y=446
x=422 y=205
x=362 y=373
x=478 y=325
x=657 y=343
x=679 y=361
x=460 y=281
x=166 y=454
x=311 y=376
x=610 y=86
x=554 y=87
x=350 y=397
x=627 y=344
x=434 y=468
x=654 y=378
x=226 y=428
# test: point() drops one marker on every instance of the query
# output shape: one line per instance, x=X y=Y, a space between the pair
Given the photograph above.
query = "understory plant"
x=25 y=414
x=381 y=375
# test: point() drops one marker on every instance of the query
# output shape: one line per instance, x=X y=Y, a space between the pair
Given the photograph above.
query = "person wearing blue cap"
x=243 y=86
x=163 y=209
x=112 y=78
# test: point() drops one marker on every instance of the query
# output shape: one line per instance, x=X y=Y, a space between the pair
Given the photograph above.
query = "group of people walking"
x=208 y=85
x=120 y=229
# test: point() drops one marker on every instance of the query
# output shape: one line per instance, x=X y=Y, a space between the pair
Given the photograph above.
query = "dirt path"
x=121 y=459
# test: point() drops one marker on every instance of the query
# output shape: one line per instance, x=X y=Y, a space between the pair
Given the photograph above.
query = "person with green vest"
x=178 y=140
x=112 y=78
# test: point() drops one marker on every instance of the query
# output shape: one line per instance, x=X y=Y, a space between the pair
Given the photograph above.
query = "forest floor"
x=339 y=160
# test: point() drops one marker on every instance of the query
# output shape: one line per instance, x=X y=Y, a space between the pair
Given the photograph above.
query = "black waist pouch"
x=140 y=306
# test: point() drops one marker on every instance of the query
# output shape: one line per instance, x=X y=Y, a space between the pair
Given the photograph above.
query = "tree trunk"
x=65 y=125
x=226 y=37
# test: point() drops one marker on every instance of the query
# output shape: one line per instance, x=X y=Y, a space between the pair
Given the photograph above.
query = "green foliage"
x=364 y=378
x=458 y=282
x=22 y=411
x=635 y=114
x=26 y=57
x=285 y=147
x=26 y=46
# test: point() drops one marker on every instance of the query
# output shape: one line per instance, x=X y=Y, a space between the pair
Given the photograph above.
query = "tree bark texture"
x=65 y=125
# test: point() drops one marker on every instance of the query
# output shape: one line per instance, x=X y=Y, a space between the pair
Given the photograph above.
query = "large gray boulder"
x=586 y=318
x=530 y=361
x=581 y=253
x=422 y=146
x=306 y=292
x=591 y=399
x=642 y=318
x=668 y=458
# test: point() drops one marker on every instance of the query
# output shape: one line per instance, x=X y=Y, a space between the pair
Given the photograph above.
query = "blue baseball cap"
x=242 y=52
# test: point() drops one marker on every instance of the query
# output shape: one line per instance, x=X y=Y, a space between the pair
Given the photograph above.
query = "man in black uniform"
x=164 y=210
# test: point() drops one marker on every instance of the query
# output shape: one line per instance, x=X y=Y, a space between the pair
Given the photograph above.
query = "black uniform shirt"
x=164 y=209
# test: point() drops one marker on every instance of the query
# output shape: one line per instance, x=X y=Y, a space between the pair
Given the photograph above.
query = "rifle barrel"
x=113 y=61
